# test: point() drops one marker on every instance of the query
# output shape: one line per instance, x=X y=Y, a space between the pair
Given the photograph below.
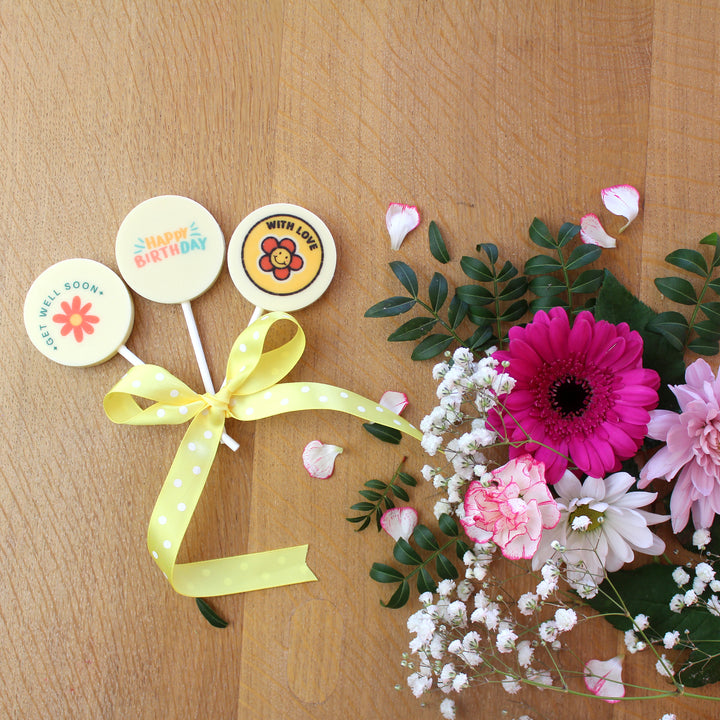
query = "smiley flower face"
x=280 y=257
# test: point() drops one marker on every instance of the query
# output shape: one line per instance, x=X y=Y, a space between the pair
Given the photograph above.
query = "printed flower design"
x=580 y=393
x=280 y=257
x=512 y=510
x=692 y=448
x=76 y=319
x=601 y=527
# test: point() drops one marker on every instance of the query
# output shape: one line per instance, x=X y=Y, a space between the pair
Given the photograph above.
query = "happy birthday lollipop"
x=79 y=313
x=170 y=250
x=281 y=257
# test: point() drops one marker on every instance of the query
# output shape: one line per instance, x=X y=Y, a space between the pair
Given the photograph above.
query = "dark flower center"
x=570 y=396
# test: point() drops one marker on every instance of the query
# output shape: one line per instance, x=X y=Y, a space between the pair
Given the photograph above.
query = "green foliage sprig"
x=405 y=554
x=379 y=497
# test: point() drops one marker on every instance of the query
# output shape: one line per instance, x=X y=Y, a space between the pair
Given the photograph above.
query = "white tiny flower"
x=437 y=646
x=581 y=522
x=704 y=572
x=445 y=587
x=565 y=618
x=505 y=641
x=670 y=639
x=528 y=603
x=442 y=507
x=460 y=682
x=669 y=716
x=455 y=647
x=715 y=585
x=677 y=602
x=464 y=590
x=510 y=685
x=419 y=683
x=447 y=709
x=427 y=472
x=698 y=586
x=431 y=443
x=680 y=576
x=542 y=677
x=690 y=598
x=701 y=538
x=631 y=641
x=525 y=652
x=545 y=589
x=548 y=631
x=664 y=667
x=641 y=622
x=457 y=613
x=447 y=675
x=713 y=605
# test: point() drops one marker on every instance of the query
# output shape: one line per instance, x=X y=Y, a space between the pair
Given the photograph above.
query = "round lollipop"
x=281 y=257
x=170 y=249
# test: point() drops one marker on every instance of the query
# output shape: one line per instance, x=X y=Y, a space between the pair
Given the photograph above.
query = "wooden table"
x=484 y=115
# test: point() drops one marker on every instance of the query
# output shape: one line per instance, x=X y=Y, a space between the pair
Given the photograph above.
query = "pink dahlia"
x=581 y=393
x=513 y=510
x=692 y=448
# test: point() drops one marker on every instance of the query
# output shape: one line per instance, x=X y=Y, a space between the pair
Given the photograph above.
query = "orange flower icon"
x=280 y=257
x=76 y=319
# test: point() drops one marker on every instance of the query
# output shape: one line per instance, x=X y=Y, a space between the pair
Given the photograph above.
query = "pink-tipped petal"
x=622 y=200
x=604 y=679
x=593 y=233
x=319 y=458
x=400 y=220
x=395 y=401
x=399 y=522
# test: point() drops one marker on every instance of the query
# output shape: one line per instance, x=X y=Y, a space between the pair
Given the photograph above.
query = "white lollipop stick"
x=197 y=347
x=257 y=312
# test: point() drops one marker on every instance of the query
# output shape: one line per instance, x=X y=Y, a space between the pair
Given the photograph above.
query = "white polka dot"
x=161 y=413
x=344 y=395
x=162 y=519
x=154 y=554
x=243 y=368
x=177 y=482
x=136 y=383
x=323 y=398
x=181 y=507
x=249 y=411
x=159 y=377
x=284 y=401
x=256 y=335
x=174 y=393
x=182 y=410
x=167 y=544
x=361 y=408
x=207 y=434
x=380 y=409
x=304 y=388
x=197 y=470
x=397 y=422
x=267 y=395
x=192 y=447
x=242 y=347
x=204 y=413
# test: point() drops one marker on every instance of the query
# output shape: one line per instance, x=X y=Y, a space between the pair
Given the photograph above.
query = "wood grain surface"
x=484 y=114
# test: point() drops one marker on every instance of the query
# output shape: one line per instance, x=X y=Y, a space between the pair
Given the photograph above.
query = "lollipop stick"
x=133 y=359
x=257 y=312
x=197 y=347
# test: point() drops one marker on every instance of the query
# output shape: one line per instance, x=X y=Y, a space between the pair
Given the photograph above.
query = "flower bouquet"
x=567 y=430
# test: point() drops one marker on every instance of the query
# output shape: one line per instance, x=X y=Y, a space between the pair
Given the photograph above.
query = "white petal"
x=399 y=522
x=593 y=233
x=400 y=220
x=395 y=401
x=622 y=200
x=319 y=459
x=604 y=678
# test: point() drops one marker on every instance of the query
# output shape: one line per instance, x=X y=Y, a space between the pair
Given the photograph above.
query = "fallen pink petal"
x=604 y=679
x=400 y=220
x=395 y=401
x=319 y=458
x=622 y=200
x=593 y=233
x=399 y=522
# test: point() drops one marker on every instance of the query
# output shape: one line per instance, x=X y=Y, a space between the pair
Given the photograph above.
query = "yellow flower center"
x=76 y=319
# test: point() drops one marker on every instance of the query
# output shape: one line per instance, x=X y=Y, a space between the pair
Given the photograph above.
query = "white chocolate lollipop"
x=281 y=257
x=78 y=312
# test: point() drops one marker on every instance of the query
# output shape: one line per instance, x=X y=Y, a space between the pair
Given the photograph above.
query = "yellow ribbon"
x=252 y=391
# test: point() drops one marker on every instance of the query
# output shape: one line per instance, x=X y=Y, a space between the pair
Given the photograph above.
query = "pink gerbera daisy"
x=580 y=393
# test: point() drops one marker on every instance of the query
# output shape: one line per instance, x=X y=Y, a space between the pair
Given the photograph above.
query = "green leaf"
x=690 y=260
x=474 y=295
x=357 y=519
x=384 y=433
x=400 y=596
x=677 y=289
x=507 y=271
x=425 y=539
x=514 y=289
x=714 y=285
x=476 y=269
x=425 y=583
x=438 y=291
x=672 y=325
x=385 y=574
x=712 y=239
x=490 y=250
x=389 y=504
x=588 y=281
x=209 y=614
x=438 y=248
x=711 y=310
x=413 y=329
x=701 y=346
x=707 y=329
x=370 y=495
x=448 y=525
x=567 y=232
x=376 y=484
x=363 y=507
x=545 y=285
x=583 y=255
x=540 y=235
x=406 y=275
x=404 y=553
x=481 y=315
x=407 y=479
x=545 y=303
x=456 y=312
x=399 y=493
x=542 y=264
x=392 y=306
x=445 y=568
x=479 y=338
x=515 y=311
x=431 y=346
x=461 y=548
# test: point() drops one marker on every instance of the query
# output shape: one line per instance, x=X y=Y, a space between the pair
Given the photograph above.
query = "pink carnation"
x=692 y=448
x=513 y=510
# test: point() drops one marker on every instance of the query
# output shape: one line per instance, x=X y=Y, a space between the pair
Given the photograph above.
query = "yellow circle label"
x=78 y=312
x=281 y=257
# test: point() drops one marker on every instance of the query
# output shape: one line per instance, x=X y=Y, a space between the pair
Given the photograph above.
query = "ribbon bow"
x=252 y=391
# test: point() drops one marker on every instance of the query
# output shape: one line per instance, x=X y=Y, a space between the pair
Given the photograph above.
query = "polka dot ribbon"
x=252 y=391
